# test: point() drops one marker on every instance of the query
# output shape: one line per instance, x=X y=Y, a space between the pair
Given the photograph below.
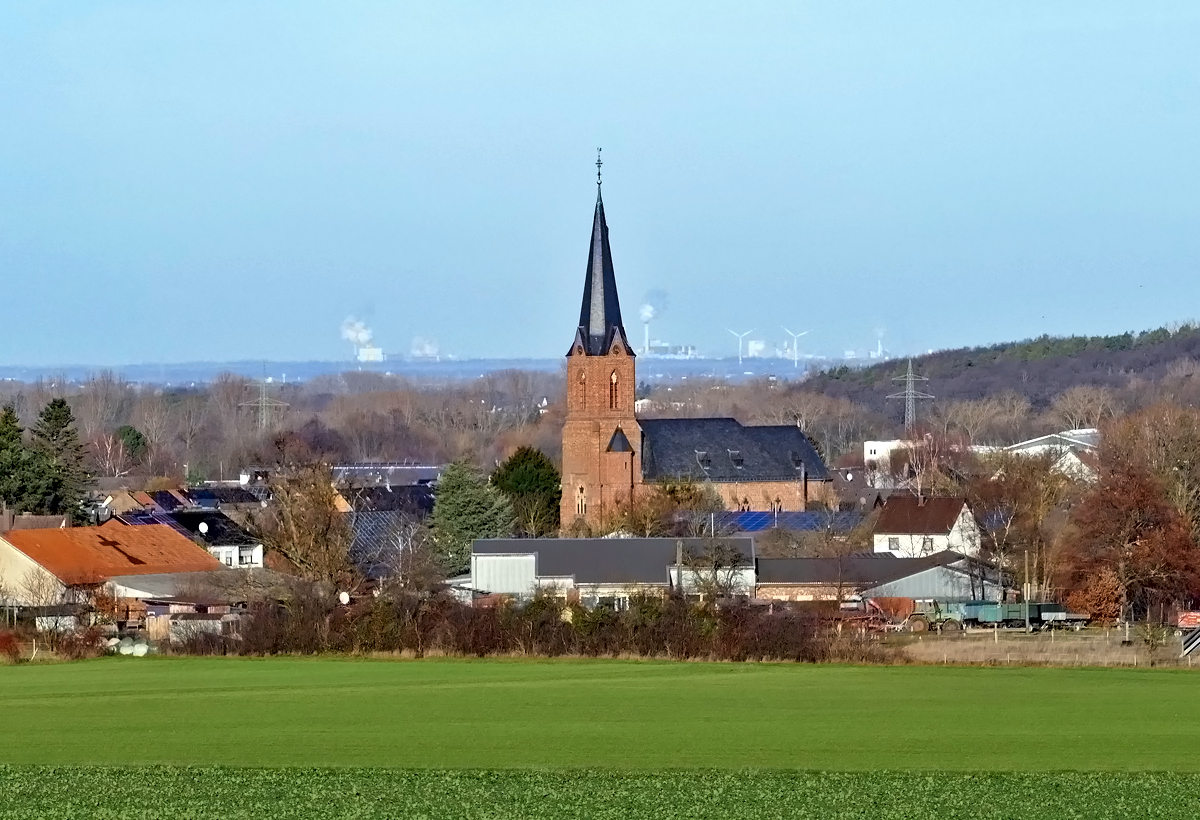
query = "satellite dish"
x=344 y=597
x=204 y=528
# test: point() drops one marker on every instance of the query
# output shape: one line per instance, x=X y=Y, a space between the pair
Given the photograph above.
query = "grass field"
x=343 y=738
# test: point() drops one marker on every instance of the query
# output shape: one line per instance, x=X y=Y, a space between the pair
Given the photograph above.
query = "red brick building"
x=609 y=457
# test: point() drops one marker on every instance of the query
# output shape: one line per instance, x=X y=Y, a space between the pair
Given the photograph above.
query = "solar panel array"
x=839 y=522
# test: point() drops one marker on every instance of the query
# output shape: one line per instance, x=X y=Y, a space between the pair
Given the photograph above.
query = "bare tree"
x=152 y=419
x=305 y=528
x=716 y=570
x=1084 y=405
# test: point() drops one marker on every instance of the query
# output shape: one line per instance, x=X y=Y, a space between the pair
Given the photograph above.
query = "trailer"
x=942 y=616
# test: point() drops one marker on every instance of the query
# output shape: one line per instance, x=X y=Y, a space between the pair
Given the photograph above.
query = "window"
x=894 y=543
x=927 y=545
x=581 y=502
x=612 y=391
x=703 y=459
x=736 y=457
x=581 y=391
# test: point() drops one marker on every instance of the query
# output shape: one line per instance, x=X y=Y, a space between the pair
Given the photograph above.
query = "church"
x=611 y=458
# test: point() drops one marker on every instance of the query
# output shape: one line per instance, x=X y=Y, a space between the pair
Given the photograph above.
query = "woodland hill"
x=1038 y=369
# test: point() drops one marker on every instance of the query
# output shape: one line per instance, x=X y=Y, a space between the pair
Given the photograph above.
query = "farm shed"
x=600 y=570
x=944 y=575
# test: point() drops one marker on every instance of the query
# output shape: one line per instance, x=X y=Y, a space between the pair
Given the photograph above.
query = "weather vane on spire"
x=598 y=164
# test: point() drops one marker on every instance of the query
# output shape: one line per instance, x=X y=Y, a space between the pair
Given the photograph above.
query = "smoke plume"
x=654 y=304
x=356 y=332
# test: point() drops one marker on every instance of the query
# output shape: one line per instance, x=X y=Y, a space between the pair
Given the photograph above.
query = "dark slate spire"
x=600 y=315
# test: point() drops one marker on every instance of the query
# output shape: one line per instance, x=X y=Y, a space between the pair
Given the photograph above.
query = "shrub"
x=10 y=646
x=74 y=646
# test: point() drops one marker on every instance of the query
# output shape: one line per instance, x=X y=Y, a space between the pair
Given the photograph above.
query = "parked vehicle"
x=943 y=616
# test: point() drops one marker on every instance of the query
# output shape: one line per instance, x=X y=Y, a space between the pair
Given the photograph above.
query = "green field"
x=344 y=738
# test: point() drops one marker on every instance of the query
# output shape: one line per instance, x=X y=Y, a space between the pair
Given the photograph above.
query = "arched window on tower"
x=581 y=390
x=612 y=391
x=581 y=502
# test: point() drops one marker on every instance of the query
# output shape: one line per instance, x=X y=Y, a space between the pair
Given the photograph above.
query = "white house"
x=912 y=527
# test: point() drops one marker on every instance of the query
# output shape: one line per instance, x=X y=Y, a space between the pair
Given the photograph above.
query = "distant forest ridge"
x=1038 y=369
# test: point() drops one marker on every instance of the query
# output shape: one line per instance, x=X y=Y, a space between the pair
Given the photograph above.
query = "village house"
x=44 y=567
x=911 y=526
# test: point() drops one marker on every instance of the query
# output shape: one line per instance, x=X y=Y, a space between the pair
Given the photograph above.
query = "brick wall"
x=596 y=407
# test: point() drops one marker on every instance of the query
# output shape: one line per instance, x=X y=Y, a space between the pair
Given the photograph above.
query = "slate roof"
x=605 y=560
x=909 y=515
x=600 y=313
x=711 y=449
x=855 y=570
x=92 y=554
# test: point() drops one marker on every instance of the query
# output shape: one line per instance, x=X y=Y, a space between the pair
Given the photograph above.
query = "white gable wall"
x=963 y=537
x=24 y=582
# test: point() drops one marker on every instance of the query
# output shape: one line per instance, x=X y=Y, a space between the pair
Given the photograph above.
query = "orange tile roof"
x=94 y=554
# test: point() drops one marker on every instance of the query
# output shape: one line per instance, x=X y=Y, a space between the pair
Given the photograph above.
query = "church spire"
x=600 y=314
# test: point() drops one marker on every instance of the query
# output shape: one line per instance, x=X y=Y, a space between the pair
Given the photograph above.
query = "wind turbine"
x=741 y=336
x=796 y=345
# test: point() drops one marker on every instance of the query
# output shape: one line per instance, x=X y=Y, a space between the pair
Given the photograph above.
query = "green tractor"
x=930 y=615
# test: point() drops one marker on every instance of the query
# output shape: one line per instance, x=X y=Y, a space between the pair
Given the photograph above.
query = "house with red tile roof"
x=39 y=567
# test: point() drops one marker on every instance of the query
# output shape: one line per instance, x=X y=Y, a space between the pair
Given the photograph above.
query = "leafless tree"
x=305 y=528
x=1085 y=406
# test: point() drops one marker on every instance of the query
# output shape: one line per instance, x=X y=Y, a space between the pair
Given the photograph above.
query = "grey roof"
x=600 y=313
x=619 y=443
x=711 y=449
x=606 y=560
x=373 y=545
x=416 y=500
x=165 y=584
x=853 y=570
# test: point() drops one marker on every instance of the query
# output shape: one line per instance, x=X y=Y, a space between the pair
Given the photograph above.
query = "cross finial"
x=598 y=164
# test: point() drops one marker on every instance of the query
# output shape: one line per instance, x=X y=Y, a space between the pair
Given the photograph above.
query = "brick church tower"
x=601 y=465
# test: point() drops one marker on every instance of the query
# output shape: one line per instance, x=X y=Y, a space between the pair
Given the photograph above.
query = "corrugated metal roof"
x=93 y=554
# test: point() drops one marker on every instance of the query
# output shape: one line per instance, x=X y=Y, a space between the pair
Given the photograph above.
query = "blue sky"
x=232 y=180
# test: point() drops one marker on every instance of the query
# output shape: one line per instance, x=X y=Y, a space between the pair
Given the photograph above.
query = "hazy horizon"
x=231 y=182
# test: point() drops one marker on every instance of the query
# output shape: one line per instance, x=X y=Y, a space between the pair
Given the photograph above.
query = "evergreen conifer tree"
x=60 y=456
x=19 y=479
x=534 y=486
x=467 y=507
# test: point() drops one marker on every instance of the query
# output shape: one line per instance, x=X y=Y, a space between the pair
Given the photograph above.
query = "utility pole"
x=796 y=345
x=910 y=394
x=741 y=336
